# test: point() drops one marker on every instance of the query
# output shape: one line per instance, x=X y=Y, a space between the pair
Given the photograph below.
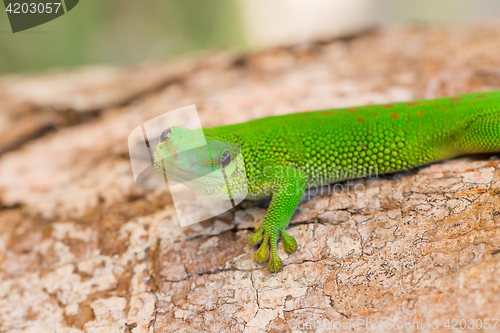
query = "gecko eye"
x=225 y=159
x=165 y=135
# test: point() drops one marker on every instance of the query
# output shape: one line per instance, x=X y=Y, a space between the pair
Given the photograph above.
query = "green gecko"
x=284 y=155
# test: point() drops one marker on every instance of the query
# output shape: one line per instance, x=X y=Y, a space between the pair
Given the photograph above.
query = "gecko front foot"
x=268 y=235
x=288 y=189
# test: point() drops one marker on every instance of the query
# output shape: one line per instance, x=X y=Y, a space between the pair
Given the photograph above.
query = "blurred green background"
x=120 y=32
x=130 y=31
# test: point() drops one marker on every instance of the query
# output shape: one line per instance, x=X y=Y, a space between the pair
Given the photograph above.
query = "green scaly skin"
x=284 y=155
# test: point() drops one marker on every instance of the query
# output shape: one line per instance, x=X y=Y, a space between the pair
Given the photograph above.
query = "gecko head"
x=209 y=165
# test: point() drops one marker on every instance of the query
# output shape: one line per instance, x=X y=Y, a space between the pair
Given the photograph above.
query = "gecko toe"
x=289 y=242
x=262 y=253
x=256 y=237
x=275 y=263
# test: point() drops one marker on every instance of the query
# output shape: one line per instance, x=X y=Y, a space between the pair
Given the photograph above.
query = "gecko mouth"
x=173 y=172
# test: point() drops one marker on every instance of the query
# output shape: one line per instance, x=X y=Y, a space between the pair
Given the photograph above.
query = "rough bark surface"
x=83 y=249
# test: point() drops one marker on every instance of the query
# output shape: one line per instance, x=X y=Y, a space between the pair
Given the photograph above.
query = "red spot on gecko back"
x=412 y=104
x=438 y=106
x=374 y=114
x=421 y=113
x=480 y=96
x=388 y=106
x=394 y=115
x=456 y=99
x=327 y=112
x=303 y=116
x=360 y=119
x=352 y=111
